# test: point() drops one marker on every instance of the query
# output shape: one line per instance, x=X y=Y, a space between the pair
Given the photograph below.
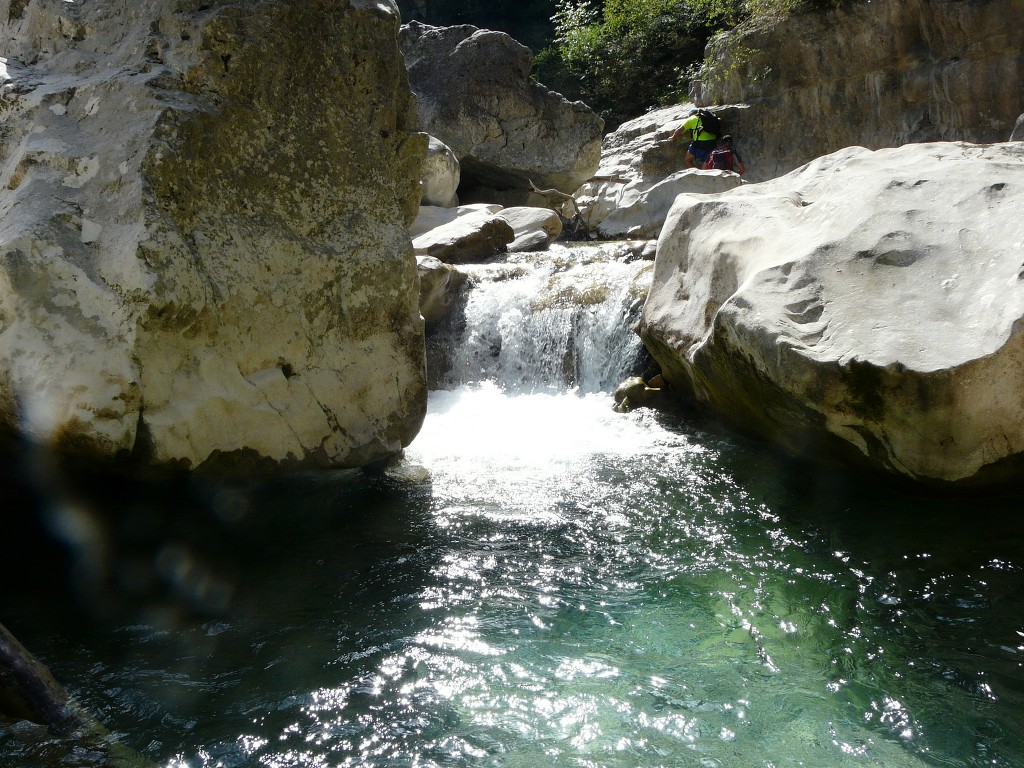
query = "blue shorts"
x=702 y=149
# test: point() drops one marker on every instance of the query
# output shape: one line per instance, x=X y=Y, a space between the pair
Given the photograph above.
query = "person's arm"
x=687 y=125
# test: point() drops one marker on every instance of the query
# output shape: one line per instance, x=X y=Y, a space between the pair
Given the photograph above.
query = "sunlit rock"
x=535 y=228
x=475 y=237
x=868 y=304
x=640 y=174
x=204 y=258
x=431 y=216
x=641 y=210
x=475 y=94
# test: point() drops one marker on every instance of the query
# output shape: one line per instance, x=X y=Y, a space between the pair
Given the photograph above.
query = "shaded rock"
x=205 y=261
x=431 y=216
x=475 y=237
x=635 y=393
x=440 y=284
x=876 y=74
x=440 y=176
x=28 y=690
x=475 y=94
x=535 y=228
x=860 y=306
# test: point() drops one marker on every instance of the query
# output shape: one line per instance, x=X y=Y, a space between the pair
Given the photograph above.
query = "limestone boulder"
x=641 y=209
x=475 y=94
x=205 y=262
x=534 y=228
x=431 y=216
x=476 y=237
x=878 y=74
x=863 y=306
x=440 y=176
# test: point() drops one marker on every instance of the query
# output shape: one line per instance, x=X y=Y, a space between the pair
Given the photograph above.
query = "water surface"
x=543 y=582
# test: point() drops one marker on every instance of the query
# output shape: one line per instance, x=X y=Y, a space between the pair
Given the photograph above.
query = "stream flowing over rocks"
x=203 y=218
x=867 y=305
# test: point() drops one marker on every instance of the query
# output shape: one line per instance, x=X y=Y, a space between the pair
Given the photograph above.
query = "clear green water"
x=568 y=587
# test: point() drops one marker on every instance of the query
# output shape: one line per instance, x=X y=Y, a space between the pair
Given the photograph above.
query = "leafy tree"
x=629 y=55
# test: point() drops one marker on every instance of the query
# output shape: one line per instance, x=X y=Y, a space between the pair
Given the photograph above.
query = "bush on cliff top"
x=625 y=56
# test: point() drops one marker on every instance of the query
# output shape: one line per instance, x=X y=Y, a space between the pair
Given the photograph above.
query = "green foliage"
x=626 y=56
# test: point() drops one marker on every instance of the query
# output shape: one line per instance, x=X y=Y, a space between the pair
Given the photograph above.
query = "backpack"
x=721 y=159
x=708 y=121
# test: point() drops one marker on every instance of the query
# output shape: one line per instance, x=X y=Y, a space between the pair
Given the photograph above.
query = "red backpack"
x=722 y=159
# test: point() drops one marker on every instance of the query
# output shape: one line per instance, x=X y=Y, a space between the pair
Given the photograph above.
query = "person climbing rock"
x=704 y=127
x=726 y=157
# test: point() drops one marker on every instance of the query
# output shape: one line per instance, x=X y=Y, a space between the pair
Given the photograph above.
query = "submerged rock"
x=475 y=94
x=862 y=305
x=204 y=259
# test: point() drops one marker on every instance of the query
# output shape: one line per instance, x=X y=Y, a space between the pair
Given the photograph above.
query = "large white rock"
x=475 y=237
x=534 y=228
x=869 y=303
x=640 y=208
x=203 y=259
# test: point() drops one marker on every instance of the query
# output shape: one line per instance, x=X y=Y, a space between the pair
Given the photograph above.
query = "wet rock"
x=634 y=393
x=861 y=307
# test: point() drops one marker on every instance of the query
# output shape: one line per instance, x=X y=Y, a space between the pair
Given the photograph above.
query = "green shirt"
x=690 y=124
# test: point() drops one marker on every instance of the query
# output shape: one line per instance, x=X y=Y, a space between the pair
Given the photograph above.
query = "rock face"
x=205 y=259
x=861 y=304
x=475 y=94
x=874 y=74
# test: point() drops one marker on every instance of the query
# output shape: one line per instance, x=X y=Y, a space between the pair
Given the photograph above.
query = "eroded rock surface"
x=204 y=258
x=873 y=74
x=862 y=304
x=475 y=94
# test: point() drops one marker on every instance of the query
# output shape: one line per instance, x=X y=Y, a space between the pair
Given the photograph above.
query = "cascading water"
x=548 y=321
x=559 y=586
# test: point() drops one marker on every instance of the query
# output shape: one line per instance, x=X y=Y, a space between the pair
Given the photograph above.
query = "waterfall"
x=545 y=321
